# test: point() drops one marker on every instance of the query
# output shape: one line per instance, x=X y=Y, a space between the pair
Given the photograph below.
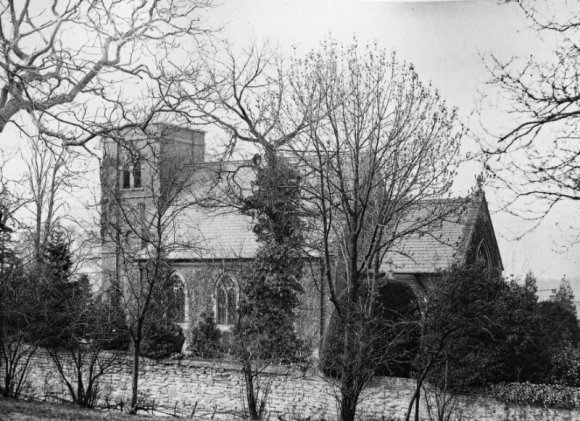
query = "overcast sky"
x=447 y=42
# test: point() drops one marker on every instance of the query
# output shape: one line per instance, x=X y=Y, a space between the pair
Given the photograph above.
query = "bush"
x=565 y=366
x=398 y=307
x=480 y=329
x=116 y=336
x=162 y=341
x=205 y=339
x=332 y=347
x=549 y=396
x=557 y=324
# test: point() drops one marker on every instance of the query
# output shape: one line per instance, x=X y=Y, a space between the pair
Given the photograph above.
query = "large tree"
x=270 y=288
x=253 y=99
x=263 y=104
x=538 y=151
x=67 y=64
x=380 y=145
x=371 y=142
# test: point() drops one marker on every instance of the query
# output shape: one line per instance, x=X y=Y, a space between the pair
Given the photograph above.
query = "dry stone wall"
x=214 y=390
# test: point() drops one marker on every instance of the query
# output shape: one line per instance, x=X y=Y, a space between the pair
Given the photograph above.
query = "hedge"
x=546 y=395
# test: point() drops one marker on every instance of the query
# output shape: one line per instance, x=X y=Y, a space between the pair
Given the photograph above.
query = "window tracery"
x=177 y=298
x=226 y=304
x=482 y=254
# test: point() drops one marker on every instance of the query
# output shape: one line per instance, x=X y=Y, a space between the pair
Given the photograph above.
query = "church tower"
x=139 y=171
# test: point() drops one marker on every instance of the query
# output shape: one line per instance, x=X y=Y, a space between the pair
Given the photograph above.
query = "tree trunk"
x=135 y=376
x=417 y=403
x=415 y=399
x=250 y=395
x=349 y=388
x=348 y=403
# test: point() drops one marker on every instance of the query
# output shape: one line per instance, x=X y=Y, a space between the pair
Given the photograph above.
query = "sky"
x=448 y=42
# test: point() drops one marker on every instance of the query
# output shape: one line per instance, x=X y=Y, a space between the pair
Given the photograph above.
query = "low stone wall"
x=215 y=390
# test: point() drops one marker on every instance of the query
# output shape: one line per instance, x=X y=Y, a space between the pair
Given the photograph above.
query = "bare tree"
x=372 y=142
x=148 y=187
x=263 y=105
x=18 y=297
x=18 y=306
x=67 y=64
x=385 y=146
x=536 y=157
x=52 y=174
x=253 y=97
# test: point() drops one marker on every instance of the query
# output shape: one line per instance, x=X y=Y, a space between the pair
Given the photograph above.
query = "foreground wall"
x=214 y=390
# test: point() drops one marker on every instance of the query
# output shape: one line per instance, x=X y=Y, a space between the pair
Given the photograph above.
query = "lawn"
x=15 y=409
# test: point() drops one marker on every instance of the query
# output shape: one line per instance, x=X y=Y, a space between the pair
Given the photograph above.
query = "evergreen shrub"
x=163 y=341
x=205 y=339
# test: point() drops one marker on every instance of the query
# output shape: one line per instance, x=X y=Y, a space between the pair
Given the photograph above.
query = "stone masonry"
x=214 y=390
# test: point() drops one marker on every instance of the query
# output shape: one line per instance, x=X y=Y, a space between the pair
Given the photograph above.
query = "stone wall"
x=214 y=390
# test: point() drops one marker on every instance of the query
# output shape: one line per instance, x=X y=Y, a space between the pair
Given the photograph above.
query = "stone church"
x=154 y=187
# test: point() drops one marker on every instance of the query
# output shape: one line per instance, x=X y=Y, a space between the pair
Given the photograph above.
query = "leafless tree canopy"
x=251 y=96
x=379 y=147
x=50 y=174
x=538 y=154
x=69 y=64
x=385 y=144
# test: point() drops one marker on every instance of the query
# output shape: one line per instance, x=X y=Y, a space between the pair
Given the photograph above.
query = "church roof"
x=431 y=246
x=222 y=234
x=439 y=243
x=433 y=234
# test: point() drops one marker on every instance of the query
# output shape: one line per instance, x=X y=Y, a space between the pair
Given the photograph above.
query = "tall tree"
x=54 y=276
x=381 y=144
x=270 y=286
x=254 y=100
x=371 y=142
x=51 y=173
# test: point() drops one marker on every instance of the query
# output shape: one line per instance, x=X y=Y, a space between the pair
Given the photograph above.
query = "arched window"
x=177 y=301
x=226 y=301
x=483 y=254
x=131 y=171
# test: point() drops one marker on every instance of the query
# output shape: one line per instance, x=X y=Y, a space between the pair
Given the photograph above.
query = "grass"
x=16 y=409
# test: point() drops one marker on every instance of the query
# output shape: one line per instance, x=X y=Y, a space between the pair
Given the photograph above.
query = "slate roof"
x=217 y=234
x=435 y=245
x=439 y=243
x=434 y=242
